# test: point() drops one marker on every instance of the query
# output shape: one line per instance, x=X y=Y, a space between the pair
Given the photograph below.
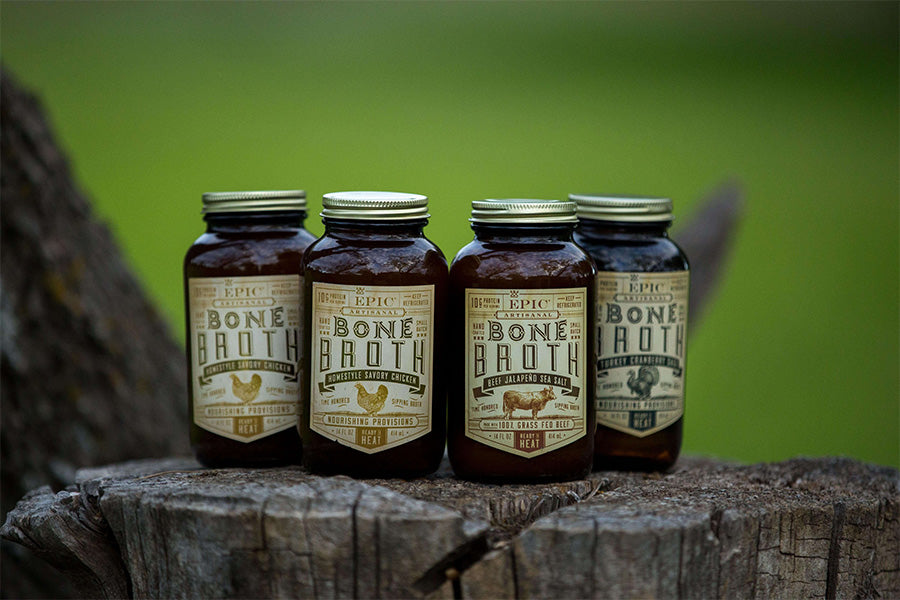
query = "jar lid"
x=374 y=206
x=622 y=208
x=517 y=210
x=222 y=202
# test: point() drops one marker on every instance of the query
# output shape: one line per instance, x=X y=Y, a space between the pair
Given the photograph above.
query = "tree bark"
x=707 y=238
x=89 y=371
x=807 y=528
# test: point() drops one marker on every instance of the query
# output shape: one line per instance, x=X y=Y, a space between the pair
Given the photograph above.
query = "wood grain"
x=811 y=528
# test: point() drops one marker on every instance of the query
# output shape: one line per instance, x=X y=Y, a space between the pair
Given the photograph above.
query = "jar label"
x=372 y=352
x=641 y=329
x=525 y=368
x=245 y=354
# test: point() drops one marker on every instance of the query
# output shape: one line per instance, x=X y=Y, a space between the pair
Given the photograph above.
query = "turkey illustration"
x=246 y=392
x=641 y=385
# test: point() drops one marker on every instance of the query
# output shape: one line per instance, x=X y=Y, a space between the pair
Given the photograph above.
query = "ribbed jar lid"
x=222 y=202
x=519 y=210
x=622 y=208
x=374 y=206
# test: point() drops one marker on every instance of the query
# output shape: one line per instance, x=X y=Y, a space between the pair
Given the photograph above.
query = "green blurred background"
x=159 y=102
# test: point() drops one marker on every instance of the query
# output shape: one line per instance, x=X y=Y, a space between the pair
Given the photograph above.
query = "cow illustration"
x=533 y=401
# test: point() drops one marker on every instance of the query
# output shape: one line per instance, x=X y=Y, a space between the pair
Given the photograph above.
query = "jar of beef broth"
x=242 y=299
x=373 y=392
x=521 y=354
x=642 y=300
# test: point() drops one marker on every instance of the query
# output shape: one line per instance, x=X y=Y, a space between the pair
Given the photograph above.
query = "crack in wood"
x=377 y=536
x=453 y=565
x=515 y=575
x=355 y=533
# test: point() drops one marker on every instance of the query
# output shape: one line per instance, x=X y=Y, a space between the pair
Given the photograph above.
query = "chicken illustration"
x=647 y=377
x=246 y=392
x=371 y=403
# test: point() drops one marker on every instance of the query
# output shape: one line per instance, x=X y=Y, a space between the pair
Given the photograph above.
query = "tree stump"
x=806 y=528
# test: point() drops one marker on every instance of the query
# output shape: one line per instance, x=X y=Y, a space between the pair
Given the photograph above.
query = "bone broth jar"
x=373 y=395
x=522 y=348
x=642 y=301
x=242 y=297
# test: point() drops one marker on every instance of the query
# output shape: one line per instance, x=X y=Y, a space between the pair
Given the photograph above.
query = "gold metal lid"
x=632 y=209
x=222 y=202
x=517 y=210
x=374 y=206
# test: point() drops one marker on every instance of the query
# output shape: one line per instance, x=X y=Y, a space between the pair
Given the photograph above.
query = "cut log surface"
x=805 y=528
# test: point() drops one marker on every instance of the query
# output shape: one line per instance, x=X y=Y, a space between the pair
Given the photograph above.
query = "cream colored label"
x=641 y=337
x=372 y=352
x=245 y=354
x=525 y=368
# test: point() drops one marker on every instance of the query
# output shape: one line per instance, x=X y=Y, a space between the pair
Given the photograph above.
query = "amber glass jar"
x=521 y=354
x=642 y=300
x=243 y=316
x=373 y=392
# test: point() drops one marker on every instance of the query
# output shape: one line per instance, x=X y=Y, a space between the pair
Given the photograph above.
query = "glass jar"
x=373 y=393
x=242 y=300
x=642 y=300
x=521 y=356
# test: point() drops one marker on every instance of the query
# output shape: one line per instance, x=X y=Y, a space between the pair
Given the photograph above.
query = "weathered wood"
x=807 y=528
x=766 y=531
x=90 y=373
x=69 y=531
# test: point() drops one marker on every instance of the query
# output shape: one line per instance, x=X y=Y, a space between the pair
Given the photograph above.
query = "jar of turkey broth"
x=643 y=279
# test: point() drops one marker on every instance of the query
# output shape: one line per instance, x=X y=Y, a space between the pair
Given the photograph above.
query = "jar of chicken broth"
x=373 y=392
x=242 y=299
